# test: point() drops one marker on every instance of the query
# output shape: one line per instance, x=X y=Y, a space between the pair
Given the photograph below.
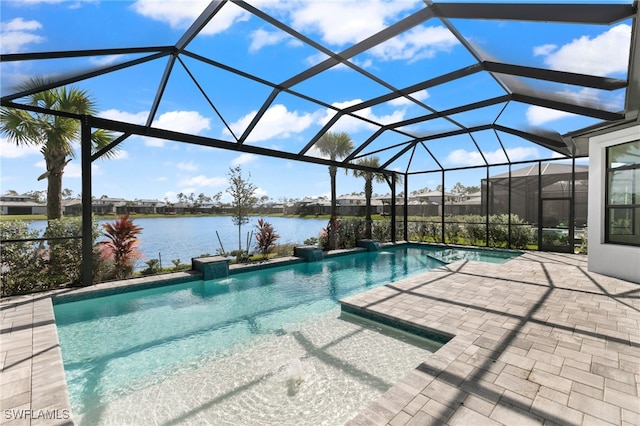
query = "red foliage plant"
x=121 y=246
x=266 y=237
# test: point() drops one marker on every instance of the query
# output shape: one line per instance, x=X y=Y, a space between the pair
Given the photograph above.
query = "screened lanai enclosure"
x=477 y=112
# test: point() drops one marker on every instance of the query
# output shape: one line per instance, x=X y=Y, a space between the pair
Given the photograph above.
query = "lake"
x=184 y=237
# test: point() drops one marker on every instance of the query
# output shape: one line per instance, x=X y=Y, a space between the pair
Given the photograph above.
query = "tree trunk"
x=55 y=167
x=334 y=212
x=239 y=232
x=368 y=190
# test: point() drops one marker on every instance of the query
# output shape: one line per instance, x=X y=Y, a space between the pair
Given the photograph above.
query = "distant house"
x=72 y=207
x=435 y=197
x=356 y=205
x=313 y=206
x=146 y=206
x=20 y=204
x=109 y=206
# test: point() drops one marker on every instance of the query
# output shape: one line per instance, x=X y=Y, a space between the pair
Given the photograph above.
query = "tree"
x=67 y=193
x=243 y=199
x=53 y=134
x=369 y=177
x=37 y=196
x=459 y=189
x=336 y=146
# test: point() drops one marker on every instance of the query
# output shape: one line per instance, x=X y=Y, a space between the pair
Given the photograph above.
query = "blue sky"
x=147 y=168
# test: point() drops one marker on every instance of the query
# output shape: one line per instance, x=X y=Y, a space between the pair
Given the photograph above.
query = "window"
x=623 y=194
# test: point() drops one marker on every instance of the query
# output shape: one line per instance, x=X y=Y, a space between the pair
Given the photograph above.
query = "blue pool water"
x=115 y=345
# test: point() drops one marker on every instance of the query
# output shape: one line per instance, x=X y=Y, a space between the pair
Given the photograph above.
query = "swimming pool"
x=262 y=346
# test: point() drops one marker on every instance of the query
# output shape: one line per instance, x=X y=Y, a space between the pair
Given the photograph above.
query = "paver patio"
x=538 y=340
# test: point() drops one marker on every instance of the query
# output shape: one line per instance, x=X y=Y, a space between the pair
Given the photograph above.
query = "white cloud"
x=183 y=15
x=537 y=115
x=605 y=54
x=72 y=4
x=418 y=43
x=344 y=22
x=462 y=157
x=190 y=166
x=261 y=38
x=19 y=24
x=402 y=101
x=103 y=61
x=353 y=125
x=18 y=33
x=316 y=58
x=127 y=117
x=347 y=22
x=544 y=50
x=71 y=170
x=178 y=121
x=243 y=159
x=259 y=192
x=367 y=63
x=203 y=181
x=11 y=150
x=182 y=121
x=277 y=122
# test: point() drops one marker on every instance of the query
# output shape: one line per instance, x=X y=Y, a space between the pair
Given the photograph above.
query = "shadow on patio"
x=538 y=339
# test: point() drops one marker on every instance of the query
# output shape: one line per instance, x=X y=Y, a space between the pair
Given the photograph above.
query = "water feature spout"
x=308 y=253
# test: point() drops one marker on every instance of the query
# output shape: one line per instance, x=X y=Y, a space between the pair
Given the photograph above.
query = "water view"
x=186 y=237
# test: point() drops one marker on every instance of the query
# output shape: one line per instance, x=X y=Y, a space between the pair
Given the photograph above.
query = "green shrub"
x=452 y=232
x=475 y=230
x=22 y=264
x=30 y=266
x=153 y=267
x=312 y=241
x=381 y=230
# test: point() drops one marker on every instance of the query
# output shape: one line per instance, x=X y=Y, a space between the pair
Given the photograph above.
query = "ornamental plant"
x=266 y=237
x=121 y=246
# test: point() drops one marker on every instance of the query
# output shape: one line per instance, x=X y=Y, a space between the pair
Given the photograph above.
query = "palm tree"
x=369 y=177
x=53 y=134
x=336 y=146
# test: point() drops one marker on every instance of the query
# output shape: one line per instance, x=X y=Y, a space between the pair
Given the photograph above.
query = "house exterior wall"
x=615 y=260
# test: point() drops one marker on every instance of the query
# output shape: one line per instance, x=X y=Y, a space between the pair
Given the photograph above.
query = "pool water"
x=196 y=351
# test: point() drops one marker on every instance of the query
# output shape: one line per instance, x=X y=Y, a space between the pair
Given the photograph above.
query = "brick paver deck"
x=538 y=340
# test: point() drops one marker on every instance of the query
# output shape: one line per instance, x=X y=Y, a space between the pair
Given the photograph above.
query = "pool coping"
x=33 y=387
x=33 y=377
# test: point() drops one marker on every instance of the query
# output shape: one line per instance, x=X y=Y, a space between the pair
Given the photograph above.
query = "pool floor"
x=319 y=372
